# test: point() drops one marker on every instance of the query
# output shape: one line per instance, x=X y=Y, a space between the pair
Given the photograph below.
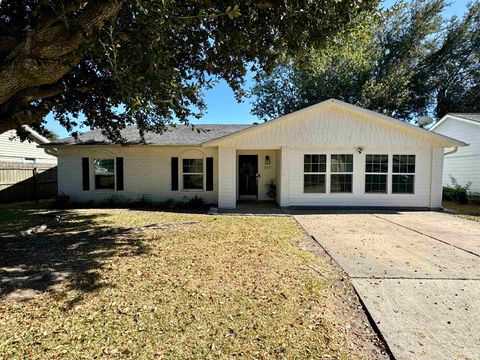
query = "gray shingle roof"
x=179 y=135
x=468 y=116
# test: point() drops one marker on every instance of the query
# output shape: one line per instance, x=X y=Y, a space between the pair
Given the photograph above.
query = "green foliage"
x=271 y=190
x=456 y=192
x=146 y=62
x=404 y=62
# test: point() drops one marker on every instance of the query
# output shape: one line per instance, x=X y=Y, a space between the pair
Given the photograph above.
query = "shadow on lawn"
x=70 y=253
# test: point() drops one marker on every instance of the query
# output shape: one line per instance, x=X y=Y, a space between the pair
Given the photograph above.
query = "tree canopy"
x=405 y=62
x=146 y=62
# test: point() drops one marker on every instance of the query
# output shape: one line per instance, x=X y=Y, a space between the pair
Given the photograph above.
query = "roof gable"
x=335 y=123
x=471 y=118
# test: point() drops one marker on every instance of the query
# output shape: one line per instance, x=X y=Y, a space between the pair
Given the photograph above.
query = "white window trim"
x=181 y=174
x=388 y=174
x=414 y=174
x=92 y=161
x=328 y=172
x=30 y=157
x=315 y=173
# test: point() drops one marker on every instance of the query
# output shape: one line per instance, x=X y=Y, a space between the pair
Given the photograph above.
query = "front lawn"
x=145 y=284
x=465 y=211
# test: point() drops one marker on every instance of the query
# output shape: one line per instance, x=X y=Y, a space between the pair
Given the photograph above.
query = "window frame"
x=387 y=174
x=26 y=160
x=114 y=173
x=182 y=174
x=414 y=174
x=325 y=173
x=331 y=172
x=328 y=172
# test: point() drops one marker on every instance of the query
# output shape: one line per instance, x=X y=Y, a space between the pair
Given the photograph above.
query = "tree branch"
x=45 y=57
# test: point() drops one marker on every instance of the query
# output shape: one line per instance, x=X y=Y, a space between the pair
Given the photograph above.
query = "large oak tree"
x=406 y=61
x=113 y=63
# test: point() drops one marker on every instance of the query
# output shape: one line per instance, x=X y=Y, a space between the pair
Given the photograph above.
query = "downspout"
x=431 y=179
x=455 y=149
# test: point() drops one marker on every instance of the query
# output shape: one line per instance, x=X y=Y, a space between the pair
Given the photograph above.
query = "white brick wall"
x=147 y=172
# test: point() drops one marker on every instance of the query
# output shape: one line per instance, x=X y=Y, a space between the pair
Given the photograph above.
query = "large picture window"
x=193 y=174
x=376 y=173
x=403 y=174
x=314 y=169
x=104 y=170
x=341 y=169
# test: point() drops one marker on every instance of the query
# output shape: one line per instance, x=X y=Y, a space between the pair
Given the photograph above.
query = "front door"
x=247 y=171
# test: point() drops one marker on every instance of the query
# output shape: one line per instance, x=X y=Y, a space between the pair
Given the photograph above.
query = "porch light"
x=267 y=160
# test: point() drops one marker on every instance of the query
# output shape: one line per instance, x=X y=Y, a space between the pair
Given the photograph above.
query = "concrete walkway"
x=418 y=274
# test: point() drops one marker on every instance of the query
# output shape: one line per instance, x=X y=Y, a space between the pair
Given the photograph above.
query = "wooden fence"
x=24 y=182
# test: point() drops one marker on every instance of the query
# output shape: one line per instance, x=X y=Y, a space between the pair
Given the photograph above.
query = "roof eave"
x=455 y=117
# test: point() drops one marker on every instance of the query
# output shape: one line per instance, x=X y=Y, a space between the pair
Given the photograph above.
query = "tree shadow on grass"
x=71 y=252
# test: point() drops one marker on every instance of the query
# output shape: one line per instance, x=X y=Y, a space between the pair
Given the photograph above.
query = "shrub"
x=271 y=190
x=194 y=203
x=62 y=201
x=456 y=192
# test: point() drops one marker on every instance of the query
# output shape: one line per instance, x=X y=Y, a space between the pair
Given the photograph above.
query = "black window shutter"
x=85 y=174
x=119 y=173
x=174 y=173
x=209 y=174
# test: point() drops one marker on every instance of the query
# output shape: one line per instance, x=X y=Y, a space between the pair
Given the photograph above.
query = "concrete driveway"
x=418 y=274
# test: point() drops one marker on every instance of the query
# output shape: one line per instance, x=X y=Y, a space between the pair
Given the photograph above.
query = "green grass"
x=465 y=211
x=198 y=287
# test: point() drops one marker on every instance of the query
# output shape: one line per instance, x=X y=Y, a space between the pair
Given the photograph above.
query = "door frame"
x=249 y=196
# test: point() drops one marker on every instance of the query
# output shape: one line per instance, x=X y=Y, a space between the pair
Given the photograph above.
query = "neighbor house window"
x=29 y=160
x=341 y=173
x=376 y=174
x=193 y=174
x=403 y=174
x=314 y=169
x=104 y=170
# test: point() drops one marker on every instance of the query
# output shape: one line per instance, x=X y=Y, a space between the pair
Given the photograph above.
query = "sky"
x=221 y=104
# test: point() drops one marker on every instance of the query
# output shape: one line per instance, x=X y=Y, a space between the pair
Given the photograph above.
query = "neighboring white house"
x=462 y=163
x=12 y=150
x=327 y=155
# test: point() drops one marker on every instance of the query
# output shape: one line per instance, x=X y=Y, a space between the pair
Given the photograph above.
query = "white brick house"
x=327 y=155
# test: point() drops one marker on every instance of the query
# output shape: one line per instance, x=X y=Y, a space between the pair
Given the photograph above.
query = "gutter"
x=455 y=149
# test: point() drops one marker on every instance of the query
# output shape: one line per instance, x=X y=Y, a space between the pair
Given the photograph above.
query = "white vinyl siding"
x=358 y=197
x=14 y=150
x=464 y=164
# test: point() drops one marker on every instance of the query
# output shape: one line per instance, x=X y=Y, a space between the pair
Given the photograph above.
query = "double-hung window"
x=403 y=174
x=104 y=170
x=314 y=173
x=376 y=173
x=193 y=174
x=341 y=173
